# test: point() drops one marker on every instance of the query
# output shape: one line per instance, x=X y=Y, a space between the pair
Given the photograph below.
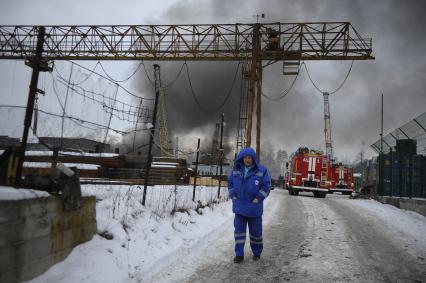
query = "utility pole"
x=37 y=65
x=196 y=170
x=381 y=165
x=221 y=155
x=177 y=147
x=152 y=130
x=362 y=168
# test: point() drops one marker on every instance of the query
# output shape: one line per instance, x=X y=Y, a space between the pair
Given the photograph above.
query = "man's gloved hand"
x=234 y=197
x=255 y=200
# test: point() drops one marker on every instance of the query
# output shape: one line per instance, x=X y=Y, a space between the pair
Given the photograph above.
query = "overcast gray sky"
x=397 y=29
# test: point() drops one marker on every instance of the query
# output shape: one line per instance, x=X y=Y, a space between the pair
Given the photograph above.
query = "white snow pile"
x=75 y=153
x=9 y=193
x=49 y=165
x=134 y=241
x=407 y=226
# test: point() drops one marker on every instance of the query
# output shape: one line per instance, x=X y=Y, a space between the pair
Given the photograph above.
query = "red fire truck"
x=309 y=172
x=342 y=179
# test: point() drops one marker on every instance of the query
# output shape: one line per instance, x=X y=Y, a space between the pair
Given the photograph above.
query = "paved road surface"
x=306 y=240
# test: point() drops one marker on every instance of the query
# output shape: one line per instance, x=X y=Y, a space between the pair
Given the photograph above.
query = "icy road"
x=313 y=240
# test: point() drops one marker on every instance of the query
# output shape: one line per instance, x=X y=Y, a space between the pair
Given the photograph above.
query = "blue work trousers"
x=255 y=234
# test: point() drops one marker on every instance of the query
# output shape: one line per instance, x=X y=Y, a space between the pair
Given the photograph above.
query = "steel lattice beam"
x=216 y=42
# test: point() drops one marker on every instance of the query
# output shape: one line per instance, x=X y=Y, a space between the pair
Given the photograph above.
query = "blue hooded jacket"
x=244 y=189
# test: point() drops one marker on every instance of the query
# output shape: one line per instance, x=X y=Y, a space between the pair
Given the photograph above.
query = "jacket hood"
x=248 y=151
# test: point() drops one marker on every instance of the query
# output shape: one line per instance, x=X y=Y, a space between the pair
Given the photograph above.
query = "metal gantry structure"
x=252 y=43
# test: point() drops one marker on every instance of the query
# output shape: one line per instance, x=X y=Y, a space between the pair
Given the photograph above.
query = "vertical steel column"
x=221 y=155
x=152 y=130
x=258 y=107
x=252 y=81
x=36 y=65
x=381 y=161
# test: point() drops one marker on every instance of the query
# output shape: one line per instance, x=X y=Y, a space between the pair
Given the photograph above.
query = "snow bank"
x=407 y=226
x=50 y=153
x=142 y=239
x=49 y=165
x=9 y=193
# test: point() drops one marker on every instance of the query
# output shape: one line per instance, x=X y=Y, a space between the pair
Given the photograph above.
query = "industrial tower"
x=162 y=114
x=327 y=128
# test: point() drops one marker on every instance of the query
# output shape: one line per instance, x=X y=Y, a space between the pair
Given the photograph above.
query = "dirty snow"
x=169 y=238
x=144 y=238
x=50 y=153
x=406 y=226
x=49 y=165
x=9 y=193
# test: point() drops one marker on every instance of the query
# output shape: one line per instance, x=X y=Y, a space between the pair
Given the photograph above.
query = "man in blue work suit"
x=248 y=185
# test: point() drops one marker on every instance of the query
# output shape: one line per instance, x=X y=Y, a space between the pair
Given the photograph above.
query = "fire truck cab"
x=342 y=179
x=309 y=172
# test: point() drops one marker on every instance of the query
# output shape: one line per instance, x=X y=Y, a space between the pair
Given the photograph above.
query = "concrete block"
x=37 y=233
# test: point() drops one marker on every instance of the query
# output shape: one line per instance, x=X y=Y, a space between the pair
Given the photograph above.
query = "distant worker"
x=248 y=185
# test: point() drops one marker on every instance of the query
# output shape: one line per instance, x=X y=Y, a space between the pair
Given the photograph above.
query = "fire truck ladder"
x=324 y=172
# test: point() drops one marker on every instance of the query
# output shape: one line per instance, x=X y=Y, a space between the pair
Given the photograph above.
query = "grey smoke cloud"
x=212 y=84
x=399 y=41
x=398 y=71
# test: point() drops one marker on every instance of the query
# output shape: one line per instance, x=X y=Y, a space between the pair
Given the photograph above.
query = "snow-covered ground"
x=144 y=239
x=407 y=227
x=173 y=239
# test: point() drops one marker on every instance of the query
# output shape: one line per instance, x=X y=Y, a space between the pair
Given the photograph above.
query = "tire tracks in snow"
x=381 y=255
x=306 y=239
x=284 y=233
x=215 y=253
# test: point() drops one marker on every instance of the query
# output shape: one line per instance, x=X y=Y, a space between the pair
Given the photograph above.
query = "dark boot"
x=238 y=259
x=256 y=257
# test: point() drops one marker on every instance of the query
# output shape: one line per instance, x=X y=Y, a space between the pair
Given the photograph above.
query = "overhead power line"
x=283 y=93
x=210 y=111
x=330 y=92
x=108 y=79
